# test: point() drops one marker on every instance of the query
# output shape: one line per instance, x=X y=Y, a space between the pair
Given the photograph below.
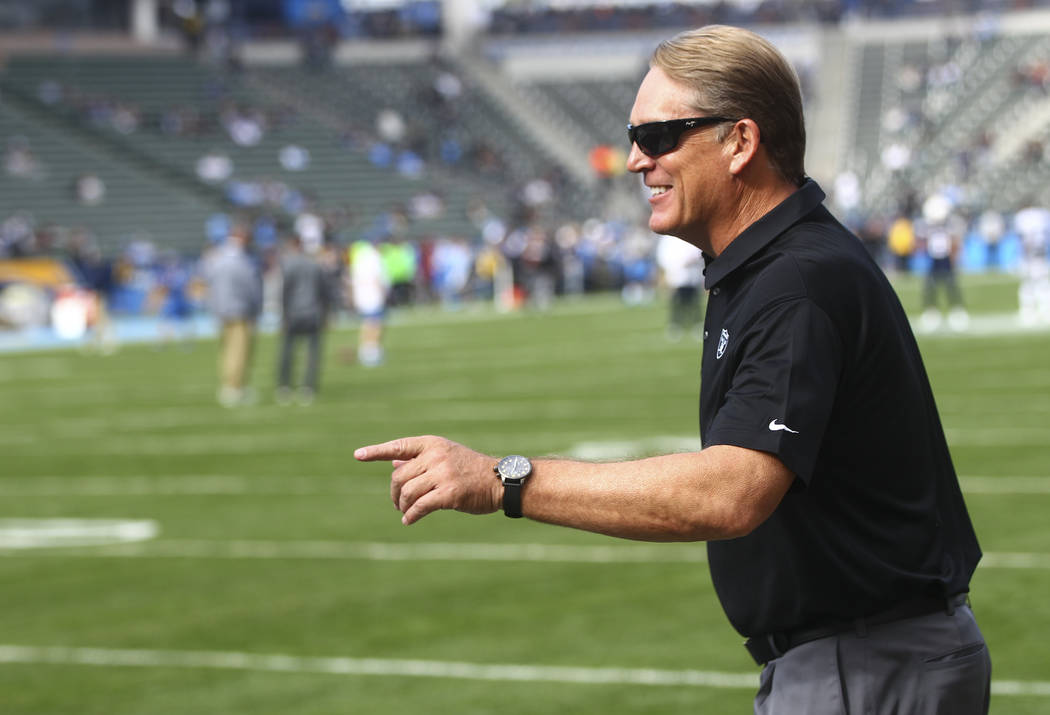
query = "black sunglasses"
x=656 y=138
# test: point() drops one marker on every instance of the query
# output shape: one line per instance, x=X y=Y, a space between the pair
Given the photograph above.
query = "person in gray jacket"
x=235 y=298
x=305 y=300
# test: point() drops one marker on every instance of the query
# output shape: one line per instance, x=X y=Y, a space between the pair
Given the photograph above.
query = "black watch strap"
x=512 y=498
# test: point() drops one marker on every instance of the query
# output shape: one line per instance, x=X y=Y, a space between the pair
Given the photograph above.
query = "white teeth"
x=657 y=190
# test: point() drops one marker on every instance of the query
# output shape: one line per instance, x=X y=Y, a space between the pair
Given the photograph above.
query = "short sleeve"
x=782 y=390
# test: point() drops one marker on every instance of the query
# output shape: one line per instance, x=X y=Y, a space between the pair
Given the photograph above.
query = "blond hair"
x=738 y=74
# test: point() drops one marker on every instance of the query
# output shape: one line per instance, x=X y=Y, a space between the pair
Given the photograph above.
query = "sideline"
x=147 y=329
x=129 y=330
x=224 y=660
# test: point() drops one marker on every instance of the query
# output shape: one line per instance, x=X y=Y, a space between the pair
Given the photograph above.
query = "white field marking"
x=997 y=436
x=104 y=442
x=1005 y=485
x=190 y=485
x=985 y=325
x=57 y=533
x=958 y=437
x=200 y=444
x=281 y=663
x=1015 y=560
x=465 y=552
x=62 y=655
x=379 y=551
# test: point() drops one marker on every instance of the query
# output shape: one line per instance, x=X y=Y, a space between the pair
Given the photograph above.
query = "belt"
x=773 y=645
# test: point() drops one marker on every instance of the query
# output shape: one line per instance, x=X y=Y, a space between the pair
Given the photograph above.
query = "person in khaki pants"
x=235 y=298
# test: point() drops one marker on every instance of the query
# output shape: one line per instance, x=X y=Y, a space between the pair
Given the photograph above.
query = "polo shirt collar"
x=759 y=234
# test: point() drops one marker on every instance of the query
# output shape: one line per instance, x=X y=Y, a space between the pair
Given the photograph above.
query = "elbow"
x=742 y=523
x=732 y=518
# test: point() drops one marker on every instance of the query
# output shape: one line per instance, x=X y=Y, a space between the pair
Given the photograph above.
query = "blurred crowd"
x=525 y=266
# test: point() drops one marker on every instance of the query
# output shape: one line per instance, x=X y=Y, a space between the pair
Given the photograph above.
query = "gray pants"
x=312 y=336
x=935 y=664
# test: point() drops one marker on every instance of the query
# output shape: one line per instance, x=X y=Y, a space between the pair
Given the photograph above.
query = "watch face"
x=514 y=467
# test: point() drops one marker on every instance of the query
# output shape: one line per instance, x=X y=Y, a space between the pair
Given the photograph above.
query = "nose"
x=637 y=161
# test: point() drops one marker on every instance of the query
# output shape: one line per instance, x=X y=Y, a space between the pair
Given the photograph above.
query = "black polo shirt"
x=808 y=355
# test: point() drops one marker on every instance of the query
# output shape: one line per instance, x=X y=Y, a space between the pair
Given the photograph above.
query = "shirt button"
x=716 y=290
x=705 y=335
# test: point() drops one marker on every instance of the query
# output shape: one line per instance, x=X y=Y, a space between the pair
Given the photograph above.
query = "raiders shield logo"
x=723 y=341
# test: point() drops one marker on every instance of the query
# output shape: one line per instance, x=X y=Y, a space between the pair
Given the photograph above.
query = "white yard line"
x=282 y=663
x=61 y=655
x=189 y=485
x=380 y=551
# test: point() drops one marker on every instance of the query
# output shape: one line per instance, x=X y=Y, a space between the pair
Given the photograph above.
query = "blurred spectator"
x=607 y=162
x=567 y=240
x=369 y=286
x=305 y=302
x=214 y=167
x=493 y=278
x=174 y=299
x=20 y=161
x=309 y=226
x=245 y=126
x=235 y=298
x=427 y=205
x=681 y=265
x=410 y=164
x=636 y=259
x=294 y=158
x=991 y=226
x=896 y=156
x=901 y=242
x=89 y=189
x=1032 y=224
x=940 y=232
x=95 y=274
x=872 y=234
x=447 y=91
x=18 y=235
x=401 y=263
x=538 y=267
x=390 y=126
x=847 y=197
x=451 y=266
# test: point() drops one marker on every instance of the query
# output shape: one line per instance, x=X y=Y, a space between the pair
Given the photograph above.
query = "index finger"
x=404 y=448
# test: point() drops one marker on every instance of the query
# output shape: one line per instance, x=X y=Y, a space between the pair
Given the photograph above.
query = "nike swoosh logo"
x=775 y=426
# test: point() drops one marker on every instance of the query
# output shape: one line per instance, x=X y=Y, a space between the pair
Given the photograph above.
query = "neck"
x=751 y=204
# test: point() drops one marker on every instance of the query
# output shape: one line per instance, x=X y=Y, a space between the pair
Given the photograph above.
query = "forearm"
x=713 y=494
x=721 y=492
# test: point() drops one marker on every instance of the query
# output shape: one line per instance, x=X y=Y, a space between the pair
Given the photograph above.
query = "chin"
x=661 y=225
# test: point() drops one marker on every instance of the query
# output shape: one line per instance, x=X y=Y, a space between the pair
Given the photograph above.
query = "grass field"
x=280 y=579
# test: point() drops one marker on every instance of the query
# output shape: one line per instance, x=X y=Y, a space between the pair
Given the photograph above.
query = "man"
x=369 y=288
x=840 y=545
x=1032 y=224
x=305 y=298
x=235 y=298
x=682 y=268
x=941 y=231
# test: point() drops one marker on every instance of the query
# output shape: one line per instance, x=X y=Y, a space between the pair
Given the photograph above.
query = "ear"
x=742 y=145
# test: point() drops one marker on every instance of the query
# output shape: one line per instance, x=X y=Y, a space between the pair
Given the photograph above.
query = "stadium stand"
x=925 y=104
x=135 y=195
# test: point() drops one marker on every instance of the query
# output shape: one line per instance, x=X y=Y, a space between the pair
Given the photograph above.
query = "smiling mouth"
x=657 y=190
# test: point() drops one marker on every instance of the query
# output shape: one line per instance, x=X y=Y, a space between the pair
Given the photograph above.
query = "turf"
x=260 y=508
